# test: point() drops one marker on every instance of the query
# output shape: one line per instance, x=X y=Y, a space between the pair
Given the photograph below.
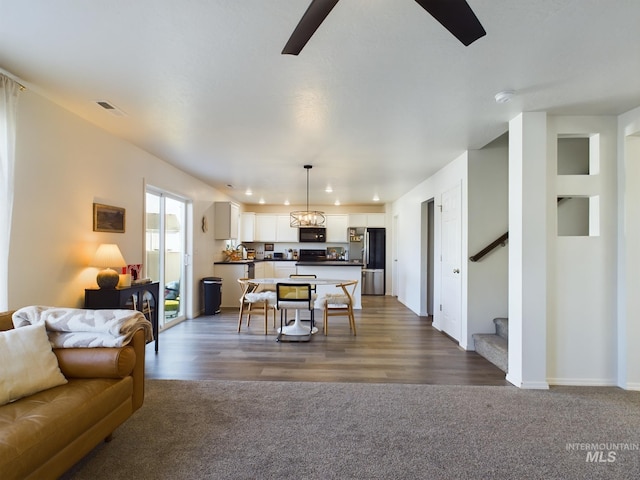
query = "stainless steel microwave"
x=312 y=234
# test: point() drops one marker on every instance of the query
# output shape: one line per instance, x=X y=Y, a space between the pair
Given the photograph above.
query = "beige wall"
x=65 y=164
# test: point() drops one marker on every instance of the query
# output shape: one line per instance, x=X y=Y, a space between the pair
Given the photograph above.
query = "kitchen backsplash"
x=334 y=251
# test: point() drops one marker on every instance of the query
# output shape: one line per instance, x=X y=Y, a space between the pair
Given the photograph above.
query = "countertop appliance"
x=368 y=245
x=312 y=234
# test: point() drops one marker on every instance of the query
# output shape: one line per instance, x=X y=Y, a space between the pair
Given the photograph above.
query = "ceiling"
x=380 y=98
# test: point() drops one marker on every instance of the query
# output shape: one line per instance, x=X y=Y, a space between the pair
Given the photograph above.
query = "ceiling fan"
x=454 y=15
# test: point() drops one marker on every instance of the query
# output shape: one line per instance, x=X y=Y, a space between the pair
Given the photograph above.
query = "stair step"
x=494 y=348
x=502 y=327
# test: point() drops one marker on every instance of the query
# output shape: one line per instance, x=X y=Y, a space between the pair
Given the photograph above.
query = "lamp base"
x=108 y=278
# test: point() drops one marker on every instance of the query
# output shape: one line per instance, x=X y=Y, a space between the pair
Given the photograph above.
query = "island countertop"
x=329 y=263
x=323 y=263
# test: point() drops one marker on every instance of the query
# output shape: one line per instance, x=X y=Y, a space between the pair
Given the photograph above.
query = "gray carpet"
x=254 y=430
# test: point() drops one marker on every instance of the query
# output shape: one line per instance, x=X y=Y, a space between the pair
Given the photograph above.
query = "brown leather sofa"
x=45 y=434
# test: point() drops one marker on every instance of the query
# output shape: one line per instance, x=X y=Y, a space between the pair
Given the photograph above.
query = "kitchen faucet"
x=244 y=249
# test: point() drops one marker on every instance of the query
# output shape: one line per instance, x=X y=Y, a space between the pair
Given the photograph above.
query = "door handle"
x=456 y=270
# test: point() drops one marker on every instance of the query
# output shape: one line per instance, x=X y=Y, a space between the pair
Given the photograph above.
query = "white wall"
x=488 y=219
x=581 y=327
x=65 y=164
x=410 y=234
x=628 y=262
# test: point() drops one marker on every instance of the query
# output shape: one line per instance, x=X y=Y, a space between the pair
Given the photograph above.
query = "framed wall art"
x=108 y=219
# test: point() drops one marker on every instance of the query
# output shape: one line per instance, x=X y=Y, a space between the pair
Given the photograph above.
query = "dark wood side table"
x=143 y=298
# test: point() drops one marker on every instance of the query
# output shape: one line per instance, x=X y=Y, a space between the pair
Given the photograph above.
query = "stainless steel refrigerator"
x=368 y=245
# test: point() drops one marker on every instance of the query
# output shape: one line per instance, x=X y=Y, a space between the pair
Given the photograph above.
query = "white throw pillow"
x=27 y=363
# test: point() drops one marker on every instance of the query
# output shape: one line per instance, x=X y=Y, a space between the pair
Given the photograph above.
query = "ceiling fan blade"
x=457 y=17
x=309 y=23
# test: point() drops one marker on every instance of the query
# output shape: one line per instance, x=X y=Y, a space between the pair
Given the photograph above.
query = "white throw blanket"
x=76 y=327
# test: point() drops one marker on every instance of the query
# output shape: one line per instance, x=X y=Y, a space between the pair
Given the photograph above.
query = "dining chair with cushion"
x=338 y=304
x=313 y=289
x=255 y=302
x=294 y=296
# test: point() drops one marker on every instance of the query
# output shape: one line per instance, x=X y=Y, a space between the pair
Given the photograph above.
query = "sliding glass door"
x=165 y=252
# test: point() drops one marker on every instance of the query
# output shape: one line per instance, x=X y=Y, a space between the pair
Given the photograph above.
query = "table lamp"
x=108 y=255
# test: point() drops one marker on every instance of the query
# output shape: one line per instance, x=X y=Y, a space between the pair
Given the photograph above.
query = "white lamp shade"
x=108 y=255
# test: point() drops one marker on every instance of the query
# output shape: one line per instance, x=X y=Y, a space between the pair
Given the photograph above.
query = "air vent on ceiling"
x=109 y=107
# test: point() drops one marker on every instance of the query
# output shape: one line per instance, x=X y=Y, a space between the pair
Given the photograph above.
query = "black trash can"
x=212 y=289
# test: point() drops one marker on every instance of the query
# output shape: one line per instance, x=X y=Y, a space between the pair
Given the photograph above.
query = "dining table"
x=297 y=329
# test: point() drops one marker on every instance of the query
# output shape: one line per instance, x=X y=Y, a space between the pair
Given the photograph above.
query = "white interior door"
x=451 y=245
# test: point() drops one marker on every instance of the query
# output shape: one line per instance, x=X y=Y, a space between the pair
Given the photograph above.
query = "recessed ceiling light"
x=286 y=202
x=337 y=203
x=248 y=192
x=261 y=201
x=328 y=189
x=376 y=198
x=504 y=96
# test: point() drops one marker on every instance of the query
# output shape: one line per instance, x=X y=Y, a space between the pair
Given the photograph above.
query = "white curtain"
x=9 y=91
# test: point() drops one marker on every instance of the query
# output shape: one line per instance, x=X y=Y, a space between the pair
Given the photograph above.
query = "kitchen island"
x=338 y=269
x=334 y=269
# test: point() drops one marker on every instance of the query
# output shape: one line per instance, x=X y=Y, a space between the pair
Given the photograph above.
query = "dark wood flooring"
x=393 y=345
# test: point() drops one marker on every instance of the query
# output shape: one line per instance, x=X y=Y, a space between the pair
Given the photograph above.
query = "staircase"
x=495 y=347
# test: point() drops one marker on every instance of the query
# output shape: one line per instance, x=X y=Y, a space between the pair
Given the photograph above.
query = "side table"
x=143 y=298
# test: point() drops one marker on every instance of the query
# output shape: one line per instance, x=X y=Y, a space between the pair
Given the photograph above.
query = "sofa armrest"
x=138 y=343
x=96 y=362
x=6 y=320
x=111 y=362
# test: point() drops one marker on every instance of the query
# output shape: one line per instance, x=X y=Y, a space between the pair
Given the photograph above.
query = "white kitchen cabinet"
x=367 y=220
x=248 y=227
x=283 y=269
x=230 y=273
x=260 y=269
x=376 y=220
x=268 y=269
x=266 y=228
x=358 y=220
x=337 y=228
x=284 y=231
x=226 y=216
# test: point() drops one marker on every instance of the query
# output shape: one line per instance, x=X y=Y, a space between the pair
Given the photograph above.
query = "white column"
x=629 y=255
x=528 y=236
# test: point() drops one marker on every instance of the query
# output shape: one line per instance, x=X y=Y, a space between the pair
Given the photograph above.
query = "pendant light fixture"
x=307 y=218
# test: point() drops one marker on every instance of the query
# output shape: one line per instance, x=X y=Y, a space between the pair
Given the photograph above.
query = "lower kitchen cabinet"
x=230 y=273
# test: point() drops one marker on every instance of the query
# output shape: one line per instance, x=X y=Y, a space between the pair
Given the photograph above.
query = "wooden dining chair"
x=339 y=304
x=294 y=296
x=254 y=302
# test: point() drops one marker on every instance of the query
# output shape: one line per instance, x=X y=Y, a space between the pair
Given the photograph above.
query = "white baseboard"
x=527 y=385
x=584 y=382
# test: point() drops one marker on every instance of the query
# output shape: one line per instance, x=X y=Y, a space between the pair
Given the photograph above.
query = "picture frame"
x=107 y=218
x=268 y=247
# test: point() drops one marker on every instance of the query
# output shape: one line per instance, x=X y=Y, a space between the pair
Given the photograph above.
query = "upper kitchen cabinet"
x=284 y=231
x=266 y=226
x=367 y=220
x=337 y=226
x=248 y=227
x=226 y=216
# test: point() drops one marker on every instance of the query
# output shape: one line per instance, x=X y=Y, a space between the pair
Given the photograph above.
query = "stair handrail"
x=500 y=241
